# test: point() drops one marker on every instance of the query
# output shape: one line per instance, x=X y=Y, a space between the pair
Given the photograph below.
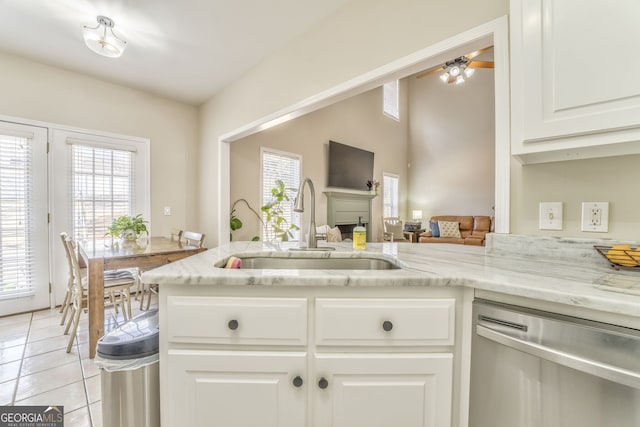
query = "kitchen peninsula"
x=322 y=347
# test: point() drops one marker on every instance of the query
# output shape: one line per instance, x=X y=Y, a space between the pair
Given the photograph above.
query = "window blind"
x=285 y=167
x=391 y=102
x=390 y=195
x=17 y=255
x=103 y=186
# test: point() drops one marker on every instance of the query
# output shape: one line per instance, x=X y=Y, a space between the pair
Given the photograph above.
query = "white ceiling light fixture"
x=102 y=40
x=457 y=71
x=460 y=69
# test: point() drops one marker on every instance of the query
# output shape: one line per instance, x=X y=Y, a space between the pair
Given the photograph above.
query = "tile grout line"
x=24 y=351
x=84 y=383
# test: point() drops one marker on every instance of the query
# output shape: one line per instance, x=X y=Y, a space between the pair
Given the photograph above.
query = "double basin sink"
x=311 y=261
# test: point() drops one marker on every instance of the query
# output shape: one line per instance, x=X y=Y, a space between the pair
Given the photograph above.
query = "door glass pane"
x=23 y=219
x=102 y=189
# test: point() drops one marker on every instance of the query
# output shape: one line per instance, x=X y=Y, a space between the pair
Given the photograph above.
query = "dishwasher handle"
x=602 y=370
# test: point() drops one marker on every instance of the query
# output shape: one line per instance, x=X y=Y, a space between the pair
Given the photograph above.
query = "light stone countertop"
x=565 y=271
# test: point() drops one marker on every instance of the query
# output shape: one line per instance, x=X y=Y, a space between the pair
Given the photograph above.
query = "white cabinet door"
x=575 y=91
x=236 y=388
x=382 y=390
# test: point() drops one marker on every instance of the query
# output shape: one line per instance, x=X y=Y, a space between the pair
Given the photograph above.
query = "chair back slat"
x=191 y=238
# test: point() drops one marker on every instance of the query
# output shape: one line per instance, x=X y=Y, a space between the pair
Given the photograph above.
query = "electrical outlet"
x=595 y=216
x=167 y=210
x=550 y=217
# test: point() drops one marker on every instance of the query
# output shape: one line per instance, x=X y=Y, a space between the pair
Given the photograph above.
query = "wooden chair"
x=117 y=289
x=175 y=234
x=64 y=308
x=393 y=229
x=191 y=238
x=187 y=238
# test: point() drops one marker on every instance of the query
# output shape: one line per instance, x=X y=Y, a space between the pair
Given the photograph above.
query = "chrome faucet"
x=312 y=238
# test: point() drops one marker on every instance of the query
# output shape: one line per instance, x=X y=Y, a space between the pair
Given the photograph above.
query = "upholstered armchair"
x=393 y=229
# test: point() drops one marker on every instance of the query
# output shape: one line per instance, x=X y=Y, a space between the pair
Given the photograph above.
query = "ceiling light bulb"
x=459 y=79
x=454 y=71
x=102 y=40
x=444 y=77
x=469 y=72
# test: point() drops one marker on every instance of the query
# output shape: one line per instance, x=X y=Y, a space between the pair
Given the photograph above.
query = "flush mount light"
x=102 y=40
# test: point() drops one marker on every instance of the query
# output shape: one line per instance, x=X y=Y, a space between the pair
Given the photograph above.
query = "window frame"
x=391 y=89
x=395 y=203
x=295 y=219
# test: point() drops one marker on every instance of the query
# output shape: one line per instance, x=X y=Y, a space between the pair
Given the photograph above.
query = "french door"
x=24 y=255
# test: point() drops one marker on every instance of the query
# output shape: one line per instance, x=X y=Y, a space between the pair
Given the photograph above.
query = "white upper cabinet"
x=575 y=81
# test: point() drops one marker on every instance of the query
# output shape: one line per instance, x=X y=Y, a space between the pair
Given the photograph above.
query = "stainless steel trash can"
x=128 y=362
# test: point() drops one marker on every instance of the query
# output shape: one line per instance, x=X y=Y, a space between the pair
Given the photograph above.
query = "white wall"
x=612 y=179
x=357 y=121
x=452 y=145
x=363 y=35
x=38 y=92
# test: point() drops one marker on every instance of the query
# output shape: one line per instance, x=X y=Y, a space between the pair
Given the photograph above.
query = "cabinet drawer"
x=226 y=320
x=394 y=322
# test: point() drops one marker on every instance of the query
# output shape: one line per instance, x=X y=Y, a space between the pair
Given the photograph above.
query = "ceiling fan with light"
x=459 y=69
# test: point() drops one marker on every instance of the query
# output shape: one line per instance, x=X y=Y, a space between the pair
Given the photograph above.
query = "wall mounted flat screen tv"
x=349 y=167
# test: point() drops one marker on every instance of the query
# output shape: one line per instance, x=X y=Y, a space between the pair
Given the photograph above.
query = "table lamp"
x=416 y=222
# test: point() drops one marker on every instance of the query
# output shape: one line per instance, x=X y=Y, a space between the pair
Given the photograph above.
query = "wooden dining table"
x=99 y=257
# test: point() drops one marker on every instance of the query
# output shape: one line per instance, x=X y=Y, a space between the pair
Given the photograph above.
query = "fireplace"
x=343 y=210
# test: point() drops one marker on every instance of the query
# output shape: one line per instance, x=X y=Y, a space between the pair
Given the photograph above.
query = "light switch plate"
x=167 y=210
x=550 y=217
x=595 y=217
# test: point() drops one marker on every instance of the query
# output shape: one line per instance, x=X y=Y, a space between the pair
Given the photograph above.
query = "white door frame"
x=38 y=297
x=57 y=194
x=494 y=33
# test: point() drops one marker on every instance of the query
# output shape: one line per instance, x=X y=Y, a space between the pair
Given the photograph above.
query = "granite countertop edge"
x=435 y=265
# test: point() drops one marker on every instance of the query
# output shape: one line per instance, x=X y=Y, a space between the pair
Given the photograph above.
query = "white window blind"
x=103 y=188
x=391 y=102
x=17 y=258
x=390 y=195
x=277 y=165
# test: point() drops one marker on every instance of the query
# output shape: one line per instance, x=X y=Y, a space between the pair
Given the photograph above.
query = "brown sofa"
x=473 y=230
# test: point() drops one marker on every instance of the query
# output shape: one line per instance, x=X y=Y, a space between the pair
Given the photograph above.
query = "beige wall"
x=357 y=121
x=452 y=145
x=38 y=92
x=613 y=179
x=363 y=35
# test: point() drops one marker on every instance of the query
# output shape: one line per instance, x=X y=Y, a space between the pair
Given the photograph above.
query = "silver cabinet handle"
x=602 y=370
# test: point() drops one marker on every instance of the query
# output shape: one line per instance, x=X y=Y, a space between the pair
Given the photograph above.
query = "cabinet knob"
x=233 y=324
x=387 y=325
x=323 y=383
x=297 y=381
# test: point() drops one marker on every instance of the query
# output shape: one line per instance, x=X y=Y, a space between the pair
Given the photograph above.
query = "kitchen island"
x=327 y=347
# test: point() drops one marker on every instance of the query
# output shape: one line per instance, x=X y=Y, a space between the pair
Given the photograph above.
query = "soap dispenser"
x=359 y=235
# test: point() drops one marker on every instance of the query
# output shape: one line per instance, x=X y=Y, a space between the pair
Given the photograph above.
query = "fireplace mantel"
x=344 y=209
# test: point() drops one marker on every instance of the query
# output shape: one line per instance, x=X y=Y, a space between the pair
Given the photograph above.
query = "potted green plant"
x=127 y=227
x=236 y=224
x=277 y=225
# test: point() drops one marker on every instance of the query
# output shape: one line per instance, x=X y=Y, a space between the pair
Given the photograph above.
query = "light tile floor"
x=35 y=368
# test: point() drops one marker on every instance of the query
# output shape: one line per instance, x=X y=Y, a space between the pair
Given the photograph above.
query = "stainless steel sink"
x=316 y=263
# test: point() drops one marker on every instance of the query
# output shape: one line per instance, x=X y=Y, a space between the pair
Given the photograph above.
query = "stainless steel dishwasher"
x=532 y=368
